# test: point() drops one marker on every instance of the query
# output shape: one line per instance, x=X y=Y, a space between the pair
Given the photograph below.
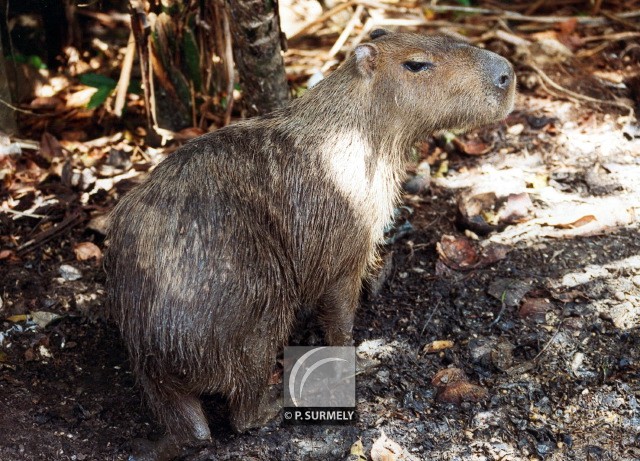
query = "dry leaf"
x=87 y=250
x=436 y=346
x=448 y=376
x=472 y=146
x=17 y=318
x=42 y=319
x=462 y=391
x=517 y=208
x=457 y=253
x=8 y=254
x=357 y=450
x=578 y=223
x=50 y=147
x=81 y=98
x=385 y=449
x=535 y=309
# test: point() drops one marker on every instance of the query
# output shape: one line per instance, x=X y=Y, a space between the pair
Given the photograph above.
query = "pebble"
x=69 y=273
x=619 y=295
x=636 y=280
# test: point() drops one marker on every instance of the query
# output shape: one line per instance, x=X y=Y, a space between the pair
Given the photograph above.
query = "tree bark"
x=7 y=115
x=255 y=28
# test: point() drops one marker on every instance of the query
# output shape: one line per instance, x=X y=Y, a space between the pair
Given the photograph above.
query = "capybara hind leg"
x=254 y=409
x=183 y=418
x=337 y=310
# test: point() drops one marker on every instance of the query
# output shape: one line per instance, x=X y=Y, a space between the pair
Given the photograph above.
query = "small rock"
x=625 y=316
x=516 y=129
x=87 y=250
x=480 y=351
x=69 y=273
x=636 y=280
x=502 y=355
x=417 y=184
x=619 y=295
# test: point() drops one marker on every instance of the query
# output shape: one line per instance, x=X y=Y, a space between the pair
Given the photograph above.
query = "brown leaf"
x=448 y=376
x=8 y=254
x=472 y=146
x=457 y=253
x=517 y=208
x=535 y=309
x=437 y=346
x=50 y=147
x=87 y=250
x=188 y=133
x=46 y=102
x=493 y=253
x=578 y=223
x=462 y=391
x=385 y=449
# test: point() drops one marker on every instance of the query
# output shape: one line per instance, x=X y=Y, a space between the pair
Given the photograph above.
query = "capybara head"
x=438 y=81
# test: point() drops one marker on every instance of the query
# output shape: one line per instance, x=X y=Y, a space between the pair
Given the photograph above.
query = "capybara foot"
x=268 y=409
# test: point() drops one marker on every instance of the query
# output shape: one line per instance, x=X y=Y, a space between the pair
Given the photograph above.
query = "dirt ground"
x=542 y=313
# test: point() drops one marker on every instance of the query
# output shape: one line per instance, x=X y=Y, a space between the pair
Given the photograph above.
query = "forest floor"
x=517 y=268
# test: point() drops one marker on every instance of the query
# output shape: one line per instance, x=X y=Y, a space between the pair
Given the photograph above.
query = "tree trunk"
x=7 y=115
x=255 y=27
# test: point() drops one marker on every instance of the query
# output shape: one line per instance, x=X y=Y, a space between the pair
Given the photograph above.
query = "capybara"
x=211 y=259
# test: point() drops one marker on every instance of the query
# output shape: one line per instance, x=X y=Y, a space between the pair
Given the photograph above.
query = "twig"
x=546 y=346
x=228 y=63
x=506 y=37
x=17 y=109
x=141 y=29
x=596 y=7
x=618 y=19
x=125 y=75
x=111 y=19
x=337 y=46
x=592 y=51
x=44 y=236
x=533 y=8
x=320 y=19
x=22 y=214
x=572 y=94
x=510 y=15
x=612 y=37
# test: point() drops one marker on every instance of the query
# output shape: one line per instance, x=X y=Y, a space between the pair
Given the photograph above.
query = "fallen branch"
x=572 y=94
x=337 y=46
x=510 y=15
x=125 y=75
x=70 y=221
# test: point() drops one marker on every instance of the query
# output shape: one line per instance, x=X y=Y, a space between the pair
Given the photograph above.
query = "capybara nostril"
x=501 y=72
x=503 y=81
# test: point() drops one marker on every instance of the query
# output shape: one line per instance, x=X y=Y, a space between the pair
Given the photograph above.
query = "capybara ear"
x=366 y=55
x=378 y=33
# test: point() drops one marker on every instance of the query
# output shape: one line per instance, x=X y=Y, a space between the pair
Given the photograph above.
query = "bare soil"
x=562 y=375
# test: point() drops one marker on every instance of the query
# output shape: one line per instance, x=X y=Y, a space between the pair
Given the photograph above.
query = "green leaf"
x=98 y=81
x=464 y=2
x=35 y=61
x=99 y=97
x=192 y=58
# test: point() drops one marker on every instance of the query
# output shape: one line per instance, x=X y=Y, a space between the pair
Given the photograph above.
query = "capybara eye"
x=417 y=66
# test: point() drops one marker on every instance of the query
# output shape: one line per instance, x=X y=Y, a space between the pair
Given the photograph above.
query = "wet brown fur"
x=212 y=258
